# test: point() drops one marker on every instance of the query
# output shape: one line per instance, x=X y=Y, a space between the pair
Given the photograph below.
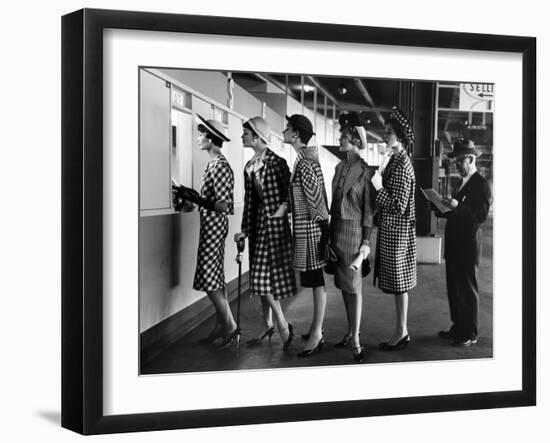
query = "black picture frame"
x=82 y=218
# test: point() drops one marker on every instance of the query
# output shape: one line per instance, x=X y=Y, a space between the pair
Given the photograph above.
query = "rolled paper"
x=356 y=264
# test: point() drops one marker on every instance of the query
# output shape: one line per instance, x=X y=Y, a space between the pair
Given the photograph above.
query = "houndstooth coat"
x=395 y=261
x=269 y=239
x=308 y=205
x=217 y=184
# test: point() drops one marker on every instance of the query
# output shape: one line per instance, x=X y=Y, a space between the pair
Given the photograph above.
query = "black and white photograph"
x=290 y=220
x=287 y=221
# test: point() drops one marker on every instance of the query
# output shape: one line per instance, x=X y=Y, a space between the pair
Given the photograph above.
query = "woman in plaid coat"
x=395 y=263
x=266 y=178
x=351 y=224
x=308 y=206
x=216 y=201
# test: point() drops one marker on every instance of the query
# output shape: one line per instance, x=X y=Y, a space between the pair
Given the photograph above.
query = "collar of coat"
x=396 y=159
x=358 y=167
x=310 y=152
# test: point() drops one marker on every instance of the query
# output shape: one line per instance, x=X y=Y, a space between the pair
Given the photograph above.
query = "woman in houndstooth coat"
x=266 y=178
x=216 y=201
x=308 y=206
x=395 y=262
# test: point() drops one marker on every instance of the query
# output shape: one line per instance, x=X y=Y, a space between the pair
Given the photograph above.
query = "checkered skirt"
x=345 y=241
x=209 y=273
x=217 y=184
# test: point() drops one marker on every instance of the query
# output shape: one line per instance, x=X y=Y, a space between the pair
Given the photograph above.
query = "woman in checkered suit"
x=395 y=263
x=308 y=206
x=351 y=222
x=266 y=178
x=216 y=201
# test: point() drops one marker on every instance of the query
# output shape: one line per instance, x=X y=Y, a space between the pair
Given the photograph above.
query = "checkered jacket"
x=275 y=181
x=308 y=206
x=395 y=261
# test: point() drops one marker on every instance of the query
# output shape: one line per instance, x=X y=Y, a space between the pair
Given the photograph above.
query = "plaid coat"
x=217 y=184
x=308 y=206
x=395 y=261
x=269 y=239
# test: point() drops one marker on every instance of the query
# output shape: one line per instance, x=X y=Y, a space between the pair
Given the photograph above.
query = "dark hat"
x=349 y=119
x=462 y=147
x=302 y=122
x=405 y=127
x=214 y=127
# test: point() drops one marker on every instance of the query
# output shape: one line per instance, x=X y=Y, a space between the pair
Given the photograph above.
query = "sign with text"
x=476 y=97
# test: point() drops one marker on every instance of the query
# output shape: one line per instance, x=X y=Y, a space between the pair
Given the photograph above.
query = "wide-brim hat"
x=261 y=128
x=302 y=122
x=463 y=147
x=215 y=127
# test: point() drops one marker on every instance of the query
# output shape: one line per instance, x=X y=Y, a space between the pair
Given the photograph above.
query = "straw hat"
x=261 y=128
x=214 y=127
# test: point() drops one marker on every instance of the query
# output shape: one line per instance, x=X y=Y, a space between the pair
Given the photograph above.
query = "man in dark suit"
x=469 y=207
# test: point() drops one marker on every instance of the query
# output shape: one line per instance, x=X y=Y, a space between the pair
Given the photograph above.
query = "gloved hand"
x=365 y=250
x=191 y=195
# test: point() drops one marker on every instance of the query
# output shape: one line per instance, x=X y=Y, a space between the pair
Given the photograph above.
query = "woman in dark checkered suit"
x=216 y=201
x=351 y=222
x=308 y=206
x=266 y=178
x=395 y=263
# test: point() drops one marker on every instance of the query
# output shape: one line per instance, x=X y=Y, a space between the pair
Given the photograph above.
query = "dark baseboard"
x=157 y=338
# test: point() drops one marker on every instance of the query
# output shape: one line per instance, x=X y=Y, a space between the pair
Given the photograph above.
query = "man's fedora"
x=463 y=147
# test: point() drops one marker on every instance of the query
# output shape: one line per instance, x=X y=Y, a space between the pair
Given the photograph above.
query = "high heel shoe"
x=257 y=340
x=230 y=338
x=344 y=342
x=385 y=346
x=317 y=348
x=358 y=353
x=290 y=338
x=306 y=336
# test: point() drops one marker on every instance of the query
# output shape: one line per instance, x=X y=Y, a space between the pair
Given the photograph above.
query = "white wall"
x=168 y=243
x=30 y=235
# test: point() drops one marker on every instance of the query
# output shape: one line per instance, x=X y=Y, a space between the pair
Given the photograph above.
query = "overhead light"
x=308 y=88
x=342 y=90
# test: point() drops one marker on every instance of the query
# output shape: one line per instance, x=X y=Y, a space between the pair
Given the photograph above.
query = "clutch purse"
x=332 y=261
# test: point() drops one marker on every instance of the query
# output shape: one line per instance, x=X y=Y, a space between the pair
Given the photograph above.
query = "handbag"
x=332 y=261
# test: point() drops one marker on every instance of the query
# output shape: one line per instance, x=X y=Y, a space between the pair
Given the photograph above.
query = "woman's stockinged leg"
x=282 y=324
x=346 y=298
x=219 y=299
x=401 y=311
x=319 y=306
x=354 y=306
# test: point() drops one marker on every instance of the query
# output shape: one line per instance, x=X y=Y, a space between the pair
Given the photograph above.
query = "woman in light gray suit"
x=351 y=224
